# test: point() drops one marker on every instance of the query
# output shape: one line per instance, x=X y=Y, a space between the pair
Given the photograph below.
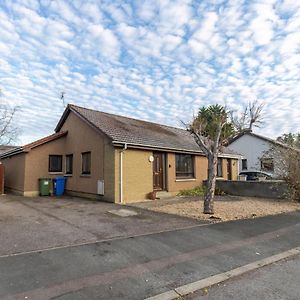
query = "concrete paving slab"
x=279 y=280
x=123 y=212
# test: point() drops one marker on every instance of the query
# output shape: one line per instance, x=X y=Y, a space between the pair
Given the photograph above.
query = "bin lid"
x=60 y=178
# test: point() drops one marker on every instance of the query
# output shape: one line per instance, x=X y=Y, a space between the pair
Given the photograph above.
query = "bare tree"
x=8 y=131
x=252 y=115
x=288 y=167
x=211 y=130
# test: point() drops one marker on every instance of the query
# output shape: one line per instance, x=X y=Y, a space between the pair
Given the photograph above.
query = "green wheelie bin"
x=44 y=186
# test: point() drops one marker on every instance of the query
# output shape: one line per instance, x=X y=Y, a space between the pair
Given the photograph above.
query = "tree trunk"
x=211 y=184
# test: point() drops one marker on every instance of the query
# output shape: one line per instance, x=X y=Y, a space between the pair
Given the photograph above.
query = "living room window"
x=69 y=164
x=86 y=163
x=55 y=163
x=184 y=166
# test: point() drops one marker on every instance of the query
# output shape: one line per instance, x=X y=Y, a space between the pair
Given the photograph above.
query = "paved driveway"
x=28 y=224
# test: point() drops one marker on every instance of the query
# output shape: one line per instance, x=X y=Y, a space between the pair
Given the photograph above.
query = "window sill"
x=56 y=173
x=68 y=175
x=185 y=179
x=85 y=175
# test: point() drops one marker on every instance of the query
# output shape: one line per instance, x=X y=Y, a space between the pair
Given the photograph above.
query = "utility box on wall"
x=100 y=187
x=1 y=178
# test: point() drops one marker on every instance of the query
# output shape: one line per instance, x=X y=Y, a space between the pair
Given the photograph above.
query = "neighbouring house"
x=112 y=158
x=256 y=151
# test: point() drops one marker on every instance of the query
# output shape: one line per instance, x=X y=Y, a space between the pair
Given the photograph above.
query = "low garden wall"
x=263 y=189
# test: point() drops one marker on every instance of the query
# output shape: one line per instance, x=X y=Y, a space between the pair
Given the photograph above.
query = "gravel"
x=226 y=208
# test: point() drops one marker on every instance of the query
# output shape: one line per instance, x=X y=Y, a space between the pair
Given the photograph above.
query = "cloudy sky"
x=153 y=60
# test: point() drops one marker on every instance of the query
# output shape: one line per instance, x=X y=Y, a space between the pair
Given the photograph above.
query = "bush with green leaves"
x=197 y=191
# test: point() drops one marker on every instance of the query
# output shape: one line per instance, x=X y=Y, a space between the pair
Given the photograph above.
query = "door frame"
x=229 y=169
x=163 y=174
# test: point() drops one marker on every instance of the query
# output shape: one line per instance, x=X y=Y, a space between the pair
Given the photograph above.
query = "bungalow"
x=112 y=158
x=256 y=151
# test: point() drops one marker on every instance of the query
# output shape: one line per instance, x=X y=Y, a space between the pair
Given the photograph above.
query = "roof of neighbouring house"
x=28 y=147
x=5 y=148
x=137 y=133
x=261 y=137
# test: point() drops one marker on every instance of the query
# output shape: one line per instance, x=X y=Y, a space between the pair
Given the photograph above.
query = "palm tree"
x=211 y=130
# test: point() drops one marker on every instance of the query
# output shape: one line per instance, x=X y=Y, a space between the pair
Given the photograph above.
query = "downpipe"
x=121 y=171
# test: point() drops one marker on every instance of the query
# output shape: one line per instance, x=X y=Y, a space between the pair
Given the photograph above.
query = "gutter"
x=12 y=152
x=121 y=171
x=150 y=147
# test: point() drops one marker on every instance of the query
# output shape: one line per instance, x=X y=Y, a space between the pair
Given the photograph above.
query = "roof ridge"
x=130 y=118
x=259 y=136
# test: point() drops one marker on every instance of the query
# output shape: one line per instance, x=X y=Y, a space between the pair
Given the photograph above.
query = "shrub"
x=197 y=191
x=219 y=192
x=288 y=167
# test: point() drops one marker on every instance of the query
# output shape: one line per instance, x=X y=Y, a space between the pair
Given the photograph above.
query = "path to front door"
x=158 y=171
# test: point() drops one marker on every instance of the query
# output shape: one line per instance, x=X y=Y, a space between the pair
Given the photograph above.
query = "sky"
x=153 y=60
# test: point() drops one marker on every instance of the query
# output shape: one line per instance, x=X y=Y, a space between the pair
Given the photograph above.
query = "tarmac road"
x=144 y=266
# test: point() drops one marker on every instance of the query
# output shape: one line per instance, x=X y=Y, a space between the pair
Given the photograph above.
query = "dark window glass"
x=69 y=164
x=267 y=164
x=184 y=166
x=244 y=164
x=55 y=163
x=219 y=168
x=86 y=163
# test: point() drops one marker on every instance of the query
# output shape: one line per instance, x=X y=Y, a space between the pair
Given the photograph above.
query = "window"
x=184 y=166
x=69 y=164
x=267 y=164
x=55 y=163
x=219 y=168
x=86 y=163
x=244 y=164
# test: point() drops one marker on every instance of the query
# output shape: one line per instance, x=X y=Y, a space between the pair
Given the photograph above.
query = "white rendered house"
x=256 y=152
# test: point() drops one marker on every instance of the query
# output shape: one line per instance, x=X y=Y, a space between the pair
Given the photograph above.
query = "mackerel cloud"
x=153 y=60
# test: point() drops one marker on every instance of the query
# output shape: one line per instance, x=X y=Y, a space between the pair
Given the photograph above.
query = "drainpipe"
x=121 y=172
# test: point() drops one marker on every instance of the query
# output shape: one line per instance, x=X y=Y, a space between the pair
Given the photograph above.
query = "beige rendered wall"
x=235 y=169
x=14 y=168
x=175 y=185
x=37 y=163
x=137 y=175
x=200 y=167
x=224 y=169
x=82 y=138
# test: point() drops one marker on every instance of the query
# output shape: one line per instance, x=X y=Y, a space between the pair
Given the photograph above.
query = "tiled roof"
x=28 y=147
x=5 y=148
x=137 y=132
x=261 y=137
x=44 y=140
